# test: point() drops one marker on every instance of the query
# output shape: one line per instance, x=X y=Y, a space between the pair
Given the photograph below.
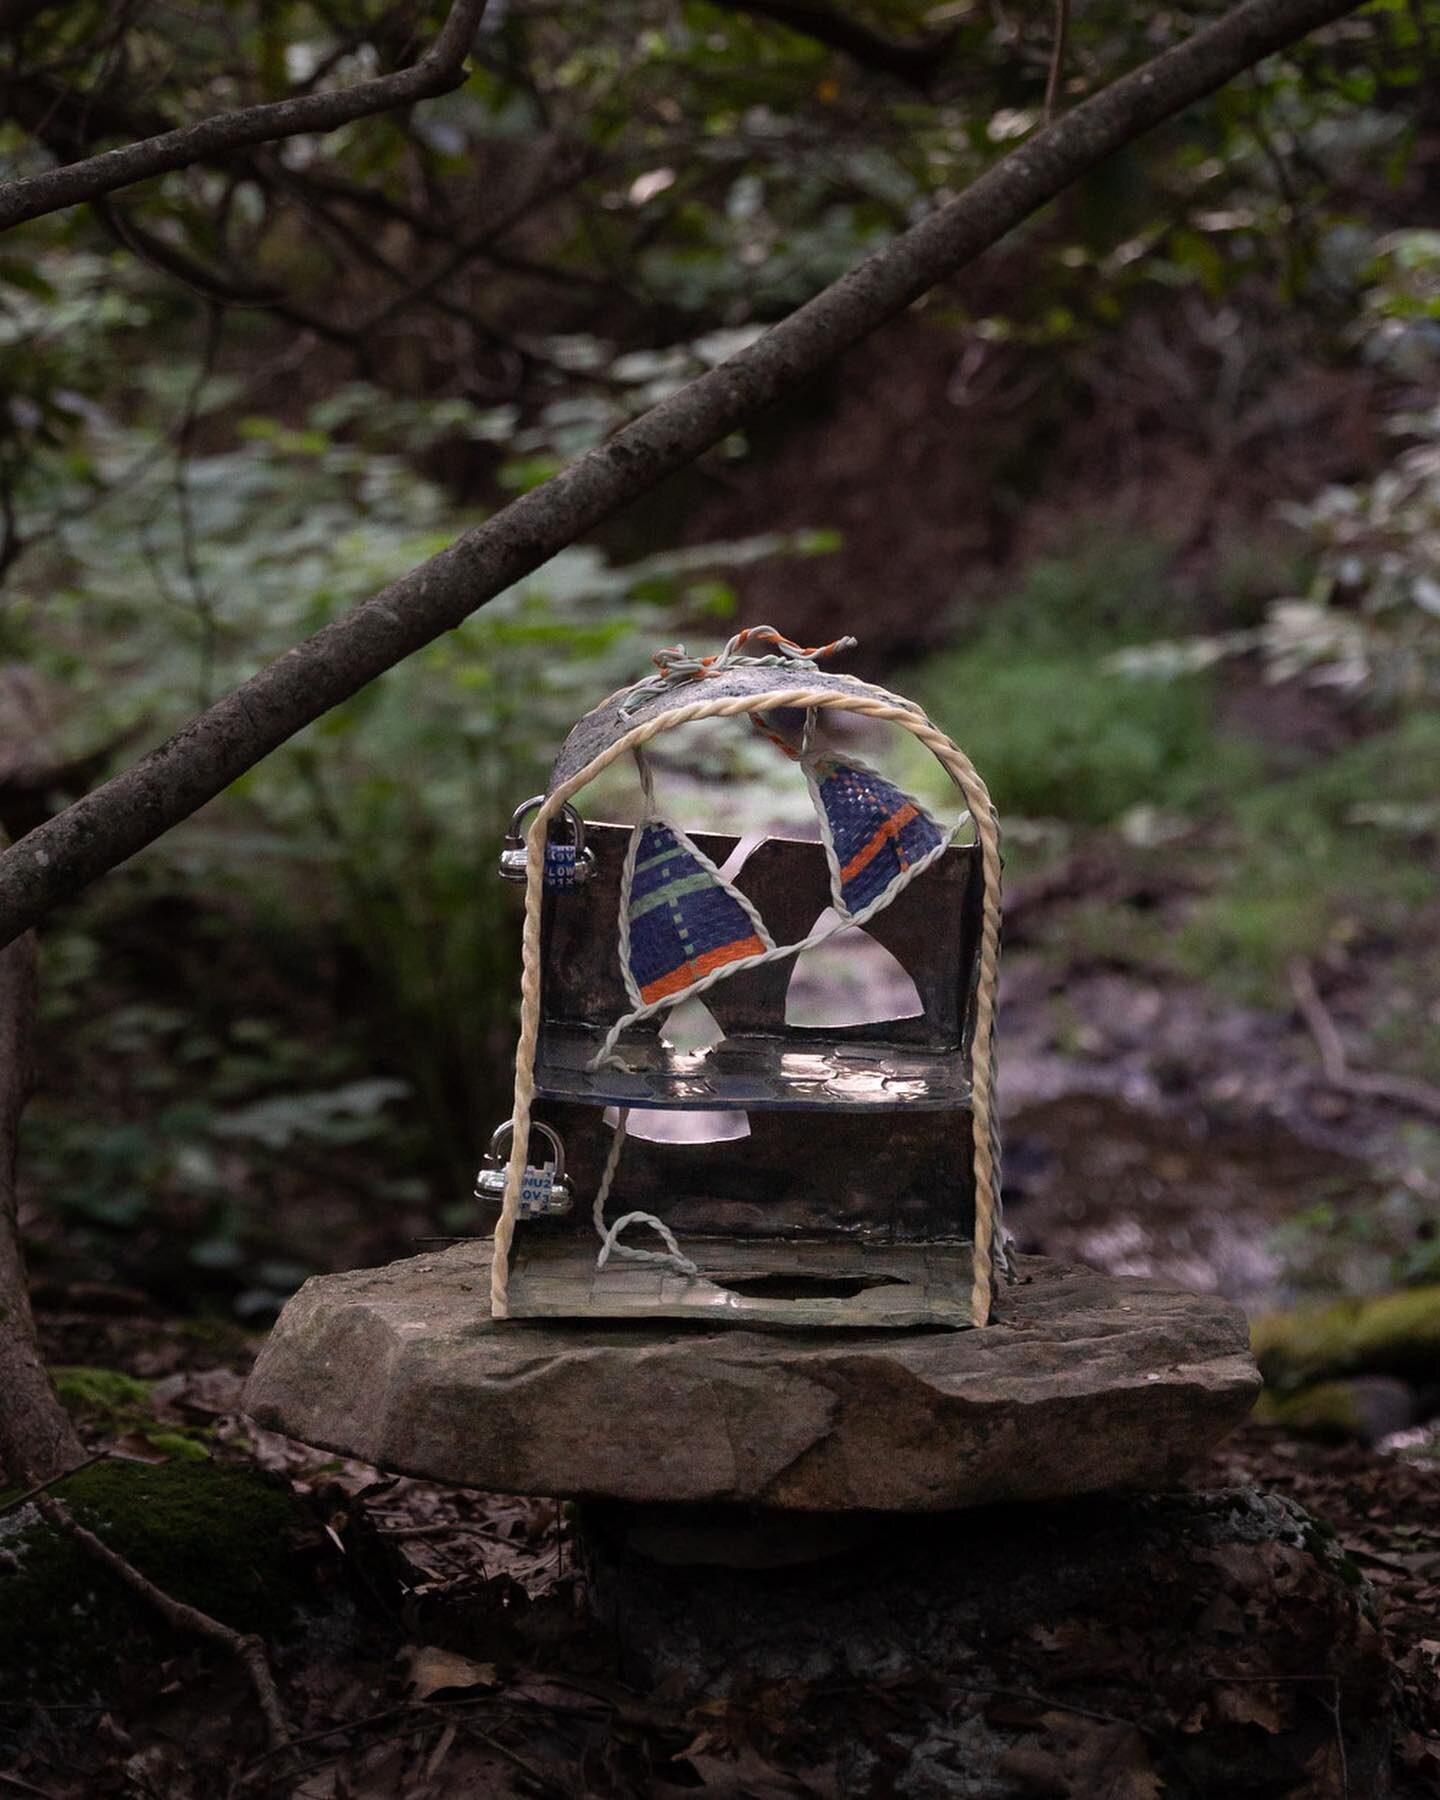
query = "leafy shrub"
x=1368 y=624
x=154 y=581
x=1057 y=737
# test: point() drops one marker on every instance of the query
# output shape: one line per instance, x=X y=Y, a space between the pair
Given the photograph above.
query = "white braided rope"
x=870 y=702
x=609 y=1235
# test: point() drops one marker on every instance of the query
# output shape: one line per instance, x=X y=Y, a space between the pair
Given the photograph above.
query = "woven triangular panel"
x=876 y=836
x=684 y=922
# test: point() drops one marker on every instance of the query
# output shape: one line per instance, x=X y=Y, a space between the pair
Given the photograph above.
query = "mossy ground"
x=111 y=1403
x=105 y=1398
x=226 y=1540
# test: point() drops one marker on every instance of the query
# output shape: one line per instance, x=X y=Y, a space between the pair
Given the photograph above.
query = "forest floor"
x=449 y=1650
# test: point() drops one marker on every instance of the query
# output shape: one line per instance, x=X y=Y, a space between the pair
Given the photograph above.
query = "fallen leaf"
x=1262 y=1703
x=430 y=1670
x=134 y=1446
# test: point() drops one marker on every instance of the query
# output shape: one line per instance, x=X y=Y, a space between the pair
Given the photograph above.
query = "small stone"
x=1083 y=1383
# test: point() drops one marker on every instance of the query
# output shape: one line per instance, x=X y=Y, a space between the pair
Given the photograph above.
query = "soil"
x=1175 y=1133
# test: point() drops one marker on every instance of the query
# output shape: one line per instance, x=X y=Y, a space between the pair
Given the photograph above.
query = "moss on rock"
x=113 y=1403
x=1396 y=1334
x=226 y=1540
x=1327 y=1411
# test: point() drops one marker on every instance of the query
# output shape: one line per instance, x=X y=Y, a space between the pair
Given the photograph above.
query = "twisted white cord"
x=674 y=1255
x=870 y=702
x=610 y=1235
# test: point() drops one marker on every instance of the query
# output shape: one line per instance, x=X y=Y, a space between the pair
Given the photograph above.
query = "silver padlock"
x=544 y=1191
x=566 y=865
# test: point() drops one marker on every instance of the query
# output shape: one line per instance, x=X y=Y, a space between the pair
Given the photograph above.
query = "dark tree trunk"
x=37 y=1440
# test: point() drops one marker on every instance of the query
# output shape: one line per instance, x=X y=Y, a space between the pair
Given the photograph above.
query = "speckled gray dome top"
x=606 y=724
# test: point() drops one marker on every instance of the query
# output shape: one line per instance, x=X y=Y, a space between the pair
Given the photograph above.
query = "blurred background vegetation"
x=1145 y=509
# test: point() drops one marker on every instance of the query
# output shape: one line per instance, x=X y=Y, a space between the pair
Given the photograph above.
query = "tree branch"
x=912 y=62
x=140 y=805
x=440 y=70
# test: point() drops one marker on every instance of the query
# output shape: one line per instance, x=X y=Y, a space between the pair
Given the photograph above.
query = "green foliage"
x=1394 y=1334
x=1331 y=1411
x=1368 y=624
x=194 y=488
x=1108 y=588
x=1056 y=734
x=148 y=583
x=213 y=1110
x=1310 y=861
x=1389 y=1241
x=112 y=1403
x=1058 y=738
x=1294 y=861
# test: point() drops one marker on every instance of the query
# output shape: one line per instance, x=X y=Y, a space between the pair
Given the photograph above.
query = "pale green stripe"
x=687 y=884
x=661 y=856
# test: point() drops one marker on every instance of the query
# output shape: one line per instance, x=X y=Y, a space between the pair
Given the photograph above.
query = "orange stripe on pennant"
x=695 y=970
x=895 y=824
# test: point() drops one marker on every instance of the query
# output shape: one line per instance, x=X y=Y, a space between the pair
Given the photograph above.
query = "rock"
x=1366 y=1407
x=1194 y=1643
x=1084 y=1383
x=1392 y=1334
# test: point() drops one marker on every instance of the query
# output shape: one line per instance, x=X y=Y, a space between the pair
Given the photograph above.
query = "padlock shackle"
x=506 y=1130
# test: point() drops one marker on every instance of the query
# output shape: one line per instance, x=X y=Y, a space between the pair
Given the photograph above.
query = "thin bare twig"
x=1057 y=58
x=544 y=1782
x=425 y=1710
x=41 y=1486
x=243 y=1645
x=1400 y=1090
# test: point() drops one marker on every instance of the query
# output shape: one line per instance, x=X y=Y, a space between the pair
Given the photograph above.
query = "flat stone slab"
x=1083 y=1383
